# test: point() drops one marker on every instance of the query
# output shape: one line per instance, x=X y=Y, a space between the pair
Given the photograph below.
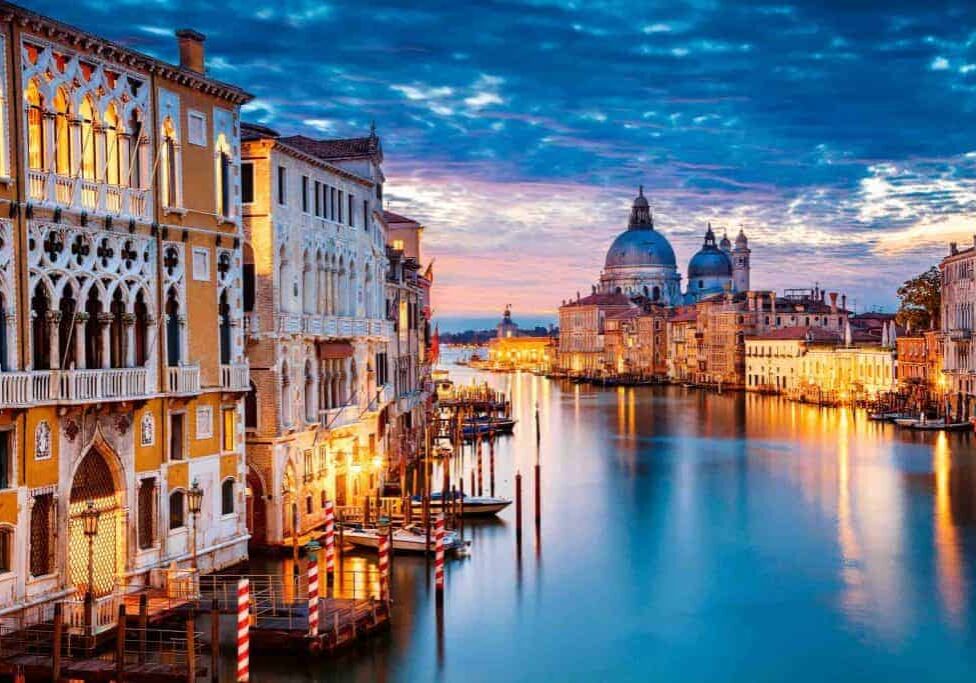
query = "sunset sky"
x=840 y=137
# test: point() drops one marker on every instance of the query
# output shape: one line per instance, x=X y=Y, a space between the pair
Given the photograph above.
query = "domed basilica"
x=641 y=263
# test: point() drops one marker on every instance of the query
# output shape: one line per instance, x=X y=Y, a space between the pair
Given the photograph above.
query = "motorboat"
x=411 y=538
x=942 y=426
x=473 y=506
x=484 y=425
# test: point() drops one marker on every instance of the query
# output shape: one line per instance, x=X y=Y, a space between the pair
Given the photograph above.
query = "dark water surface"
x=696 y=537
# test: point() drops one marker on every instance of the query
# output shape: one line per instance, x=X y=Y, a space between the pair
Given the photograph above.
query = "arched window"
x=133 y=174
x=35 y=127
x=177 y=512
x=113 y=160
x=3 y=334
x=656 y=293
x=285 y=394
x=283 y=284
x=167 y=175
x=141 y=330
x=173 y=350
x=93 y=334
x=40 y=330
x=308 y=284
x=66 y=340
x=117 y=330
x=147 y=507
x=251 y=408
x=41 y=533
x=310 y=415
x=227 y=497
x=323 y=498
x=223 y=162
x=248 y=276
x=88 y=152
x=62 y=136
x=223 y=312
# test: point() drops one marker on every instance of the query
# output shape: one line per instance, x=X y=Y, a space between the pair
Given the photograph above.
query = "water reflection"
x=797 y=542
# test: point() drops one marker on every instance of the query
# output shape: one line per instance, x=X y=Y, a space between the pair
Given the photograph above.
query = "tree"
x=921 y=299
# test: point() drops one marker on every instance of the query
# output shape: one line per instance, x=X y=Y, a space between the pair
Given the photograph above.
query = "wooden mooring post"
x=58 y=631
x=518 y=510
x=214 y=641
x=191 y=647
x=491 y=461
x=120 y=645
x=143 y=625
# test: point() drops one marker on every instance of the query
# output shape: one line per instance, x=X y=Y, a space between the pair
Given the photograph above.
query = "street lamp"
x=194 y=500
x=89 y=520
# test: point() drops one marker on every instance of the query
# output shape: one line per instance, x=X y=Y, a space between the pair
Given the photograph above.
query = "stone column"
x=80 y=357
x=105 y=329
x=129 y=320
x=53 y=321
x=184 y=341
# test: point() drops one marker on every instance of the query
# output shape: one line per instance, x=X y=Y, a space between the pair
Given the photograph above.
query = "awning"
x=335 y=350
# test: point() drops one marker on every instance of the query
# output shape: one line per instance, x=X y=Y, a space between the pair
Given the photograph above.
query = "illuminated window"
x=110 y=129
x=168 y=161
x=6 y=548
x=35 y=127
x=62 y=138
x=398 y=245
x=41 y=533
x=230 y=426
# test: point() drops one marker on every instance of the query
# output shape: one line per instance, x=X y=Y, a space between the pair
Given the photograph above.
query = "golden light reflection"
x=854 y=598
x=952 y=589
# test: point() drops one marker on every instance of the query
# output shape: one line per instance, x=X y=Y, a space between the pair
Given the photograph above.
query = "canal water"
x=696 y=537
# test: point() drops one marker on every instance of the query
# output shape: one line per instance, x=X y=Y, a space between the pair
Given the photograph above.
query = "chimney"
x=833 y=302
x=823 y=296
x=843 y=301
x=772 y=302
x=191 y=49
x=953 y=249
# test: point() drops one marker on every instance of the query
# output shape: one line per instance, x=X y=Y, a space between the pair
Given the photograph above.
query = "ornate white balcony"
x=51 y=188
x=19 y=389
x=184 y=379
x=235 y=377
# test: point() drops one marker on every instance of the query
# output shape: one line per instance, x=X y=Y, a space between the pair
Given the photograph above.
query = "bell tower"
x=740 y=263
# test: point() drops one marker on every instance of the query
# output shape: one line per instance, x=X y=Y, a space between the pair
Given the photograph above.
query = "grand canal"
x=693 y=536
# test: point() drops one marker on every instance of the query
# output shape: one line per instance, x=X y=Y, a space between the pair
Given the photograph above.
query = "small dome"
x=640 y=248
x=725 y=244
x=741 y=240
x=710 y=261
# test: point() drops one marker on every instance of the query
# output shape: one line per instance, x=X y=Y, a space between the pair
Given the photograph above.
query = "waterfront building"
x=582 y=323
x=317 y=329
x=409 y=354
x=682 y=344
x=531 y=354
x=122 y=366
x=507 y=327
x=957 y=319
x=919 y=366
x=774 y=358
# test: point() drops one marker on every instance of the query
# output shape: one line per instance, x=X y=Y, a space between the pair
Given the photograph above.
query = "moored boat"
x=473 y=506
x=409 y=539
x=484 y=425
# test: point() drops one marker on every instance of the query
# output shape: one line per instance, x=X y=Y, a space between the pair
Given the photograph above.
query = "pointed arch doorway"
x=96 y=481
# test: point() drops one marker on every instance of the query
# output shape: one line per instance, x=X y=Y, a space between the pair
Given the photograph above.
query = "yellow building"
x=120 y=266
x=531 y=354
x=848 y=373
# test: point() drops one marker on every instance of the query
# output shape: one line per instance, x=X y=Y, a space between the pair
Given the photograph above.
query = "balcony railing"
x=334 y=418
x=184 y=379
x=46 y=386
x=235 y=377
x=960 y=334
x=51 y=188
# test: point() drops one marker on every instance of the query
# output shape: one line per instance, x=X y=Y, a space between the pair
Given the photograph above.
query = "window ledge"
x=175 y=209
x=6 y=180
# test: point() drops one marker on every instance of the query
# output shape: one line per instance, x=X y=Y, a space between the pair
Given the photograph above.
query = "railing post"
x=191 y=648
x=243 y=631
x=143 y=625
x=214 y=641
x=56 y=645
x=120 y=645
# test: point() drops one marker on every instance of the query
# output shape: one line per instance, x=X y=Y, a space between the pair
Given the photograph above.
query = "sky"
x=838 y=134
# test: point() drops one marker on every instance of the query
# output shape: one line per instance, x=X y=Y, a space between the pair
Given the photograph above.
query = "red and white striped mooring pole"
x=329 y=541
x=384 y=563
x=243 y=630
x=439 y=560
x=313 y=591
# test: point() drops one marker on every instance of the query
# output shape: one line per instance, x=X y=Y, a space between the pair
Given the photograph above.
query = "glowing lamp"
x=89 y=519
x=195 y=498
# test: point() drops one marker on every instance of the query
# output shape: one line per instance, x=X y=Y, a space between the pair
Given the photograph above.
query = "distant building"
x=520 y=353
x=507 y=327
x=582 y=324
x=957 y=320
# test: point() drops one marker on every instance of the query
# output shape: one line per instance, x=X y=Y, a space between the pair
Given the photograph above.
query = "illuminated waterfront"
x=694 y=536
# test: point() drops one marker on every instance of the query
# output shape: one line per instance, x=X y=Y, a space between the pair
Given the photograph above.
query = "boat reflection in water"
x=690 y=535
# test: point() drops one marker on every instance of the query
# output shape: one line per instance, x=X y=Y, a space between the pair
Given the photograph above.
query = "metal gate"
x=94 y=483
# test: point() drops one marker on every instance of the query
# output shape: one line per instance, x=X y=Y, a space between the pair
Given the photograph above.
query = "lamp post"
x=89 y=520
x=194 y=500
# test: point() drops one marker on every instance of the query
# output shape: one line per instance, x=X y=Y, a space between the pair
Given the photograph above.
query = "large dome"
x=640 y=248
x=640 y=244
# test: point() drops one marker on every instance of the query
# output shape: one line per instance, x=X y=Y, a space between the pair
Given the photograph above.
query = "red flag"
x=435 y=345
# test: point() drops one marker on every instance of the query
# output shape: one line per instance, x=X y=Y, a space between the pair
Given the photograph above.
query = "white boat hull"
x=472 y=508
x=403 y=542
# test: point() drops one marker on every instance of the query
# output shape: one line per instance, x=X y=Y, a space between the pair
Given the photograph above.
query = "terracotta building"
x=122 y=365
